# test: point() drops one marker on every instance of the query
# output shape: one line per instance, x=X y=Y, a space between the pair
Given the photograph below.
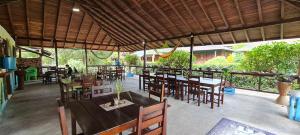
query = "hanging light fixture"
x=75 y=9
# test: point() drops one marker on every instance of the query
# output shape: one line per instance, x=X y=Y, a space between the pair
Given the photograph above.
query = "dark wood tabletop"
x=94 y=120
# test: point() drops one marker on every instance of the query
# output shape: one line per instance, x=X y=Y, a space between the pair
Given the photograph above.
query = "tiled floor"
x=33 y=112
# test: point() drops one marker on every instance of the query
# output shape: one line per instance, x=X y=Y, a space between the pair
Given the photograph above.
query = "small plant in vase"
x=119 y=89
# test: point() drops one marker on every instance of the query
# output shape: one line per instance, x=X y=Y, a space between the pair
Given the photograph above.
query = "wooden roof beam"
x=95 y=39
x=281 y=17
x=27 y=20
x=133 y=22
x=102 y=40
x=210 y=41
x=295 y=3
x=254 y=26
x=60 y=41
x=43 y=21
x=69 y=24
x=237 y=6
x=57 y=18
x=206 y=15
x=10 y=20
x=165 y=16
x=194 y=18
x=224 y=20
x=77 y=34
x=260 y=16
x=220 y=38
x=153 y=19
x=122 y=27
x=232 y=37
x=106 y=28
x=114 y=29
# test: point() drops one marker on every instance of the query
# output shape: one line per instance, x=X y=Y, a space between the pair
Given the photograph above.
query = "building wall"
x=202 y=57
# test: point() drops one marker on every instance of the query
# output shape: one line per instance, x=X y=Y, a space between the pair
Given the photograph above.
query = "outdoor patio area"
x=34 y=111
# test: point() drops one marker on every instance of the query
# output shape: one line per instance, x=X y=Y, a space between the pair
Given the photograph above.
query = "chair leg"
x=199 y=99
x=188 y=98
x=222 y=99
x=219 y=98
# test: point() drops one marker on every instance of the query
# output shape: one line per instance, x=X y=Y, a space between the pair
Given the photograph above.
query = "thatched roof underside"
x=105 y=24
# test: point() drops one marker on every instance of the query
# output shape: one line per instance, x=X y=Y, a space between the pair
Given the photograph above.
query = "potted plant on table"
x=284 y=85
x=119 y=89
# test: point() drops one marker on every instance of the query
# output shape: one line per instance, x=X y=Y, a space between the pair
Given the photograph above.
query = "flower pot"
x=283 y=88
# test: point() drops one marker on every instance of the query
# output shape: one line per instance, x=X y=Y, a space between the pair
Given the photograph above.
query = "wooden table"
x=207 y=82
x=94 y=120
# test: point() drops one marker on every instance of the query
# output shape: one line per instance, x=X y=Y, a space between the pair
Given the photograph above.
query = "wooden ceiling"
x=105 y=24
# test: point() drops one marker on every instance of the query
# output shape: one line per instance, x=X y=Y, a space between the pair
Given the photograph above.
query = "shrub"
x=179 y=59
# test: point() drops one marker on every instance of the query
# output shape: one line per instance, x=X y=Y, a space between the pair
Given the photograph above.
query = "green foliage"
x=179 y=59
x=131 y=59
x=219 y=62
x=279 y=57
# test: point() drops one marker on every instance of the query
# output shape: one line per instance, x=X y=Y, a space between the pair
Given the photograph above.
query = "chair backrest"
x=146 y=74
x=152 y=115
x=208 y=74
x=177 y=71
x=62 y=117
x=193 y=83
x=157 y=88
x=102 y=90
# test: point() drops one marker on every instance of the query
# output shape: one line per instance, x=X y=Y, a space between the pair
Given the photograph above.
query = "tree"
x=179 y=59
x=279 y=57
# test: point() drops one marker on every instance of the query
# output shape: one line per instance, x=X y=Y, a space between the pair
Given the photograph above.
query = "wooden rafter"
x=152 y=18
x=224 y=20
x=220 y=38
x=208 y=18
x=132 y=27
x=254 y=26
x=165 y=16
x=69 y=24
x=27 y=20
x=295 y=3
x=194 y=18
x=10 y=20
x=102 y=40
x=57 y=19
x=232 y=37
x=95 y=38
x=281 y=17
x=112 y=21
x=260 y=17
x=109 y=43
x=237 y=6
x=133 y=22
x=77 y=34
x=43 y=16
x=104 y=23
x=210 y=41
x=60 y=41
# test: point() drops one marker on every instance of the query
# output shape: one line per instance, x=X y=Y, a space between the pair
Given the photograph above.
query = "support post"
x=191 y=51
x=86 y=59
x=20 y=53
x=145 y=58
x=56 y=59
x=118 y=56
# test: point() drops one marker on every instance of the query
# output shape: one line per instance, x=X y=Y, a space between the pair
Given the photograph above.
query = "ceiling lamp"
x=76 y=9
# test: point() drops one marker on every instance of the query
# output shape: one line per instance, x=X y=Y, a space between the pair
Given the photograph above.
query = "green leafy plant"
x=279 y=57
x=179 y=59
x=132 y=60
x=119 y=88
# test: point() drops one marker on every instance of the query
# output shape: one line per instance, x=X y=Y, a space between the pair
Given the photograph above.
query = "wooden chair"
x=149 y=117
x=146 y=79
x=119 y=73
x=219 y=92
x=208 y=74
x=62 y=118
x=157 y=88
x=195 y=89
x=87 y=83
x=101 y=90
x=172 y=83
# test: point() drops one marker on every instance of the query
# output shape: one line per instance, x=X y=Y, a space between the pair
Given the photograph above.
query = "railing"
x=263 y=82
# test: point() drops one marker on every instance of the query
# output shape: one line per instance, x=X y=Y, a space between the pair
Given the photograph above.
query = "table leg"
x=181 y=91
x=73 y=122
x=212 y=97
x=140 y=82
x=176 y=90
